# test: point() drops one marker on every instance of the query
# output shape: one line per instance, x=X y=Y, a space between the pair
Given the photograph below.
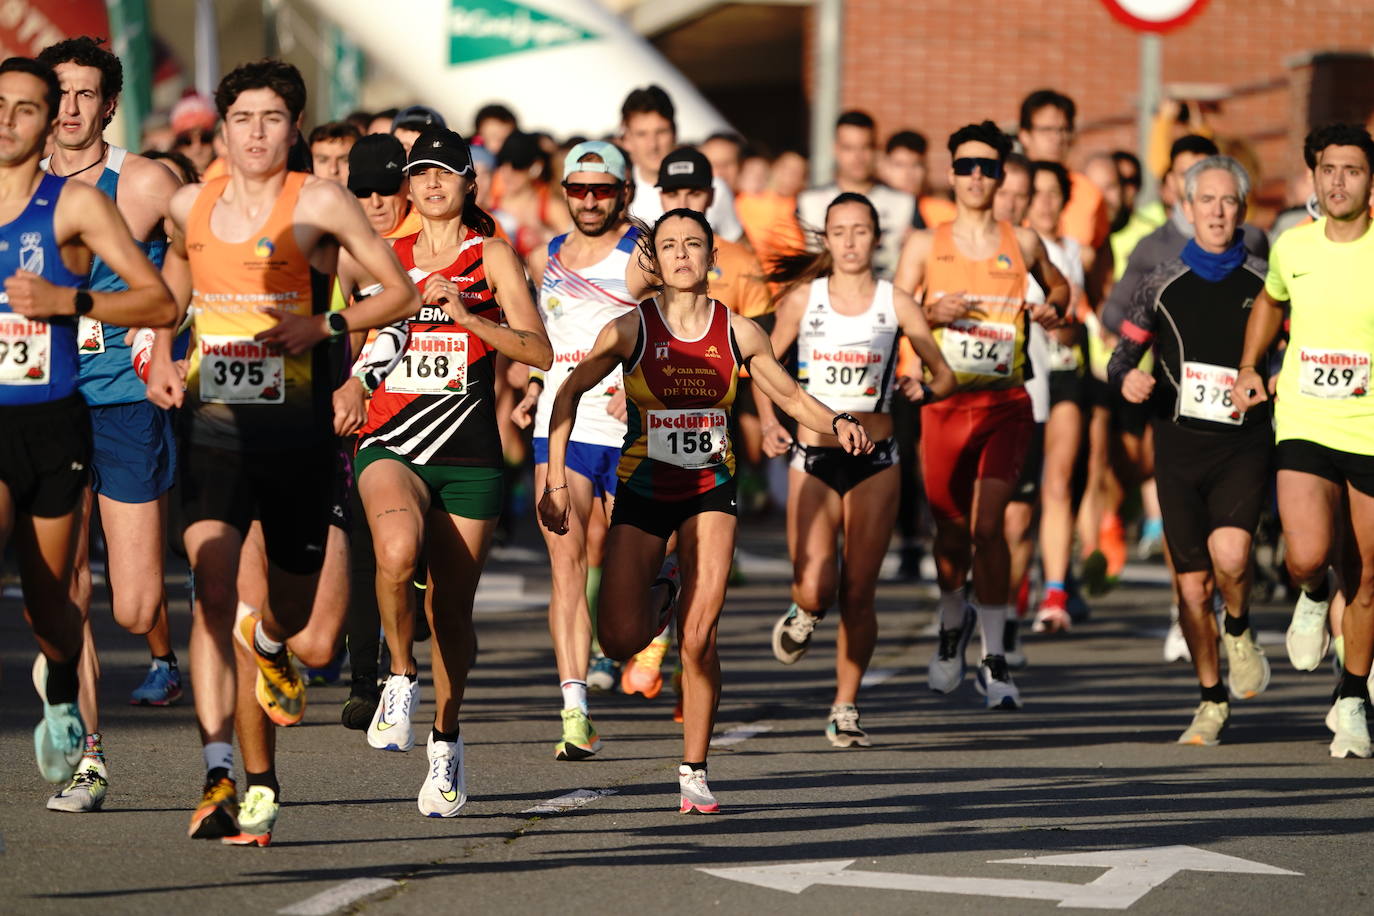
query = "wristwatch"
x=337 y=324
x=84 y=302
x=835 y=422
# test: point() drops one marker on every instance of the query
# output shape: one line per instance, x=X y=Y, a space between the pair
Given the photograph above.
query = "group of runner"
x=242 y=364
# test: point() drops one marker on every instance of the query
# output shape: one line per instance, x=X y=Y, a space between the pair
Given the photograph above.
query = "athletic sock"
x=574 y=694
x=267 y=779
x=95 y=750
x=219 y=755
x=694 y=766
x=267 y=647
x=1322 y=592
x=447 y=737
x=951 y=606
x=1236 y=625
x=1353 y=685
x=1214 y=694
x=1055 y=585
x=170 y=659
x=62 y=682
x=992 y=622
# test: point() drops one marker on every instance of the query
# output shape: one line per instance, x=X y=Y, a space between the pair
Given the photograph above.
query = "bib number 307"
x=689 y=438
x=238 y=371
x=1333 y=373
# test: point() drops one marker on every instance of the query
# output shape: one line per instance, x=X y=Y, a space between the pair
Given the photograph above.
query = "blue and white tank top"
x=38 y=361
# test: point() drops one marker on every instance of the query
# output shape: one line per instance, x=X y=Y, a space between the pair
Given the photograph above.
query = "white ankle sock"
x=574 y=694
x=263 y=643
x=992 y=621
x=951 y=605
x=219 y=754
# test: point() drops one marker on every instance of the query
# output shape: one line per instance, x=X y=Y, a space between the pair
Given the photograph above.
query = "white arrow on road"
x=1130 y=875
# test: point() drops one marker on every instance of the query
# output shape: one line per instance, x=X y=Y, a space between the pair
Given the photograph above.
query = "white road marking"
x=336 y=898
x=574 y=799
x=1130 y=875
x=874 y=678
x=741 y=733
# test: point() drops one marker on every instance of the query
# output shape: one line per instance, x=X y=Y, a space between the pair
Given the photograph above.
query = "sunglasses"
x=600 y=190
x=965 y=165
x=365 y=193
x=186 y=137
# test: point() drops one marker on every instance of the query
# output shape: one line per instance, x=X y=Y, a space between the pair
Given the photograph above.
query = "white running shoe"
x=86 y=789
x=994 y=682
x=390 y=729
x=947 y=667
x=792 y=634
x=1175 y=645
x=1207 y=725
x=445 y=790
x=1247 y=670
x=1308 y=639
x=843 y=729
x=696 y=794
x=1348 y=722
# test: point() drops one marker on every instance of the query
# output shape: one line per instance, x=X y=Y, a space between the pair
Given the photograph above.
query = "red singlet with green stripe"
x=678 y=395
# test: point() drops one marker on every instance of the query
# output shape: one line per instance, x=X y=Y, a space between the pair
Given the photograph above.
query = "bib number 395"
x=1333 y=373
x=689 y=438
x=238 y=371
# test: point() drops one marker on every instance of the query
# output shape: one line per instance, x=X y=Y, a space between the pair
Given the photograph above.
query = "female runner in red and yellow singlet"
x=682 y=352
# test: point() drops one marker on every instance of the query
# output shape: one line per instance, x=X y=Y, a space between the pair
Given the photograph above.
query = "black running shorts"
x=1336 y=466
x=45 y=455
x=663 y=517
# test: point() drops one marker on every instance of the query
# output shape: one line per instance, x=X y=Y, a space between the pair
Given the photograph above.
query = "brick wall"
x=938 y=64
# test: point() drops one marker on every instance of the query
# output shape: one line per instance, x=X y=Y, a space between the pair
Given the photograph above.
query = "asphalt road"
x=918 y=823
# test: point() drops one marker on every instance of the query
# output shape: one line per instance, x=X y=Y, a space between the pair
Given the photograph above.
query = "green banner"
x=345 y=74
x=132 y=41
x=482 y=29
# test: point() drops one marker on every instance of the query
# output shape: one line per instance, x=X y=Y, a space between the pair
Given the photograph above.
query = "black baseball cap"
x=685 y=167
x=441 y=147
x=376 y=163
x=418 y=117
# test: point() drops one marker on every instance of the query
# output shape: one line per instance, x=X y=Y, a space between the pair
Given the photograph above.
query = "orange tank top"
x=241 y=395
x=987 y=347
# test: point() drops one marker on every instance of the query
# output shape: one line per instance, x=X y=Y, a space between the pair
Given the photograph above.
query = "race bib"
x=691 y=438
x=1333 y=373
x=90 y=335
x=238 y=371
x=1206 y=393
x=844 y=373
x=433 y=363
x=25 y=350
x=1063 y=357
x=979 y=347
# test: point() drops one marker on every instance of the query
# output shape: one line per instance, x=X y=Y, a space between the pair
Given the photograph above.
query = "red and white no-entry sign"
x=1154 y=15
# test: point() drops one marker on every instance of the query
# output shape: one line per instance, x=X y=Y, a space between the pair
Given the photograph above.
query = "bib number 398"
x=689 y=438
x=1333 y=373
x=979 y=347
x=1206 y=394
x=238 y=371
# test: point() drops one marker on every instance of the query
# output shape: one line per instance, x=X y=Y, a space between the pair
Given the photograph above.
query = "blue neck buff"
x=1214 y=267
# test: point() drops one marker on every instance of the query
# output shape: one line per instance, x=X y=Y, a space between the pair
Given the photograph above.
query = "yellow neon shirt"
x=1322 y=393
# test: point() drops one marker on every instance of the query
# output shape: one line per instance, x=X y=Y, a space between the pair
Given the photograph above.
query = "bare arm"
x=1266 y=318
x=1056 y=288
x=911 y=265
x=917 y=330
x=523 y=337
x=787 y=323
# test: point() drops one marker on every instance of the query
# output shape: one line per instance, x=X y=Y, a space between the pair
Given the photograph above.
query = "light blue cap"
x=612 y=159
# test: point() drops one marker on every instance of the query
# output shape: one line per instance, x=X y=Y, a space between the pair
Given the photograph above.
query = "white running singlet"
x=847 y=361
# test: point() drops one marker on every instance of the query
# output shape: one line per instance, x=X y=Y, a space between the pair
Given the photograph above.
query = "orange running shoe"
x=280 y=688
x=218 y=813
x=1111 y=540
x=643 y=673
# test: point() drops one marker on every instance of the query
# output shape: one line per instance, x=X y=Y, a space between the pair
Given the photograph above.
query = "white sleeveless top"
x=847 y=361
x=575 y=305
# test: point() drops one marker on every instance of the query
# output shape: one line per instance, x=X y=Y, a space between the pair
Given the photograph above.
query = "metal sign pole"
x=825 y=105
x=1150 y=67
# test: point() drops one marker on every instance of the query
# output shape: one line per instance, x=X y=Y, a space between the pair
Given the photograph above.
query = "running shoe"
x=994 y=682
x=601 y=674
x=844 y=729
x=59 y=739
x=792 y=634
x=1151 y=543
x=217 y=815
x=329 y=674
x=579 y=740
x=257 y=817
x=1348 y=722
x=1011 y=642
x=86 y=789
x=390 y=729
x=161 y=686
x=1208 y=722
x=696 y=795
x=1308 y=639
x=1111 y=540
x=1053 y=615
x=445 y=788
x=947 y=668
x=1094 y=573
x=1247 y=670
x=1175 y=643
x=644 y=672
x=361 y=705
x=279 y=689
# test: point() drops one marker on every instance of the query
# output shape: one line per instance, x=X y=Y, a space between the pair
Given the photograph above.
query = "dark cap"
x=418 y=117
x=520 y=151
x=376 y=163
x=438 y=146
x=685 y=167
